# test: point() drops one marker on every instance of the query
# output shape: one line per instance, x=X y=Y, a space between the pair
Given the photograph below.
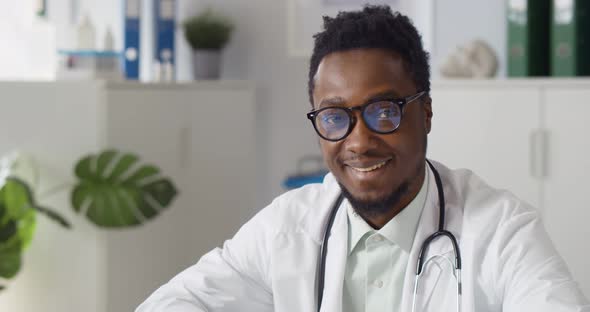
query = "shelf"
x=189 y=85
x=573 y=82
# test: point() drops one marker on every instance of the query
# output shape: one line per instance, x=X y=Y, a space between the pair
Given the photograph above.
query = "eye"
x=386 y=113
x=384 y=110
x=332 y=119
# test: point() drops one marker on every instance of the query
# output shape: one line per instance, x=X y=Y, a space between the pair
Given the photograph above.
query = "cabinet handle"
x=184 y=138
x=538 y=153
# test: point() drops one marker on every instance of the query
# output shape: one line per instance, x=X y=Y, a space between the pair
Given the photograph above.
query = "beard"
x=375 y=207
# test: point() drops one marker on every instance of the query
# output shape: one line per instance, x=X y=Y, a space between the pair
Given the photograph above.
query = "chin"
x=375 y=204
x=368 y=195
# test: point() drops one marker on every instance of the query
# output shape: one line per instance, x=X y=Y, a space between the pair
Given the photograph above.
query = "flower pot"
x=206 y=64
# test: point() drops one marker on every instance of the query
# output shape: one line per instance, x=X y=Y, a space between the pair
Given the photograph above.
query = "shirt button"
x=377 y=238
x=378 y=283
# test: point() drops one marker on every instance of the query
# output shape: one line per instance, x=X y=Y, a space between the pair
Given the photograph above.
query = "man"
x=369 y=89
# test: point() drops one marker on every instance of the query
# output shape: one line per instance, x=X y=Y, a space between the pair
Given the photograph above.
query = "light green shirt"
x=377 y=260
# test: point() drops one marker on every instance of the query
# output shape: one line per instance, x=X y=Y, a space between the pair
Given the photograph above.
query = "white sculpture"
x=476 y=59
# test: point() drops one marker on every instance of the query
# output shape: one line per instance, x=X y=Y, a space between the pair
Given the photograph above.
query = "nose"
x=361 y=139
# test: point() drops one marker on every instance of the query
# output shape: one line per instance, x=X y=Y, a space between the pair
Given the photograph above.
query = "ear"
x=427 y=107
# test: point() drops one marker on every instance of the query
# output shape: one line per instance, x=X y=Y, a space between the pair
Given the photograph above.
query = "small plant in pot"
x=207 y=33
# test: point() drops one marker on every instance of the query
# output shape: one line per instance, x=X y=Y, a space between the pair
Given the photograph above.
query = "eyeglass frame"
x=361 y=108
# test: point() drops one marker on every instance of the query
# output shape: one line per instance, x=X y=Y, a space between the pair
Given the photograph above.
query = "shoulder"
x=480 y=201
x=293 y=209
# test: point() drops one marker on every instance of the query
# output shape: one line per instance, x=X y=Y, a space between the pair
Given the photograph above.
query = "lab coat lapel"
x=336 y=263
x=428 y=225
x=313 y=225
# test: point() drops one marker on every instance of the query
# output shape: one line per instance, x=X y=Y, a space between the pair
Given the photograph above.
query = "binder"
x=528 y=37
x=131 y=45
x=570 y=38
x=165 y=15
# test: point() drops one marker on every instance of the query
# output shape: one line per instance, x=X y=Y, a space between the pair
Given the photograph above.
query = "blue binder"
x=165 y=15
x=131 y=50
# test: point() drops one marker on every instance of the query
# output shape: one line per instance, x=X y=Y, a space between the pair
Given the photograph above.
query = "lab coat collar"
x=314 y=224
x=315 y=219
x=428 y=225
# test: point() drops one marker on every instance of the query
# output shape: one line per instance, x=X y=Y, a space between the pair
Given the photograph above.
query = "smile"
x=371 y=168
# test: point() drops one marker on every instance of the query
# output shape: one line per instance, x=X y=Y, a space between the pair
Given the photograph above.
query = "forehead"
x=356 y=75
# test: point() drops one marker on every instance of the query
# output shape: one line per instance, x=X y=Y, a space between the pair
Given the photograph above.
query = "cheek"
x=410 y=141
x=329 y=152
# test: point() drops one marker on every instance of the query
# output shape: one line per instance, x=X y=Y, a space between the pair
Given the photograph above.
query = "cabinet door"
x=154 y=123
x=223 y=166
x=202 y=136
x=567 y=210
x=487 y=130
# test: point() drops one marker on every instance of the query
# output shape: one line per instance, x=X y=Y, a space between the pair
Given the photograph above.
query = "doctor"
x=369 y=88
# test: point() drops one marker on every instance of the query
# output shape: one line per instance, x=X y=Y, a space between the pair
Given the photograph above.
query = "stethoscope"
x=421 y=263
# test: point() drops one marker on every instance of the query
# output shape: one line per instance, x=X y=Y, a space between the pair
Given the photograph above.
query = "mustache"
x=352 y=157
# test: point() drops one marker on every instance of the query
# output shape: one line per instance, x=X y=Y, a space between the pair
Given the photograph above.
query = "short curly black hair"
x=372 y=27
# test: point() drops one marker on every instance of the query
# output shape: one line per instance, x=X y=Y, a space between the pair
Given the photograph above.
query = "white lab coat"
x=509 y=262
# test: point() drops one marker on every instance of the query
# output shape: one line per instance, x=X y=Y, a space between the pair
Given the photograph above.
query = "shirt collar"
x=400 y=230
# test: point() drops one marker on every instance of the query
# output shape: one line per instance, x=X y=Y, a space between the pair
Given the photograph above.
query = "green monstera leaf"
x=17 y=224
x=114 y=190
x=18 y=211
x=10 y=257
x=18 y=204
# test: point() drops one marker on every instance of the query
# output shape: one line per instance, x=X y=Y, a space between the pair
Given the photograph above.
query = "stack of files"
x=131 y=43
x=570 y=38
x=528 y=37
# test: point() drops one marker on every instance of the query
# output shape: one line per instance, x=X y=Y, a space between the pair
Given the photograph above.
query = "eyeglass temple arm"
x=414 y=97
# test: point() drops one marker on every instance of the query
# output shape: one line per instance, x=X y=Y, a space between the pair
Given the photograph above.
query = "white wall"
x=28 y=43
x=457 y=22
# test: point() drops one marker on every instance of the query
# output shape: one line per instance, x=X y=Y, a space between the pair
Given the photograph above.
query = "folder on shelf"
x=570 y=38
x=528 y=37
x=165 y=15
x=131 y=34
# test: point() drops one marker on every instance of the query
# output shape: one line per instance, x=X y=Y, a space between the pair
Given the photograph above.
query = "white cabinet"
x=483 y=129
x=493 y=127
x=567 y=213
x=203 y=137
x=200 y=134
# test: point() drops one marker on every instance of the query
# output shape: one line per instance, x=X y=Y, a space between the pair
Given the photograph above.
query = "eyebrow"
x=333 y=101
x=339 y=101
x=385 y=95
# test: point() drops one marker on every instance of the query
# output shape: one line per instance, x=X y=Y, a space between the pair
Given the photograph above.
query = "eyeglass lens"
x=381 y=117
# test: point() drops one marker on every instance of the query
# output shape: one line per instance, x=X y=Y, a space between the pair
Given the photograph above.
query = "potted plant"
x=112 y=190
x=207 y=33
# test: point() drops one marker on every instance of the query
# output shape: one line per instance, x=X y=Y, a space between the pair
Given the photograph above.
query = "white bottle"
x=167 y=72
x=86 y=34
x=156 y=71
x=109 y=40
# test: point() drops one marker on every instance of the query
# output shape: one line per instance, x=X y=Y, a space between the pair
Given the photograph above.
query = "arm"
x=234 y=278
x=531 y=274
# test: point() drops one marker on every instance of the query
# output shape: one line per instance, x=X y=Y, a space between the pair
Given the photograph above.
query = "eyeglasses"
x=335 y=123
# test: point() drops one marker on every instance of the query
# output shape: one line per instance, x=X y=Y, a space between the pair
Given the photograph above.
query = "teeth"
x=375 y=167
